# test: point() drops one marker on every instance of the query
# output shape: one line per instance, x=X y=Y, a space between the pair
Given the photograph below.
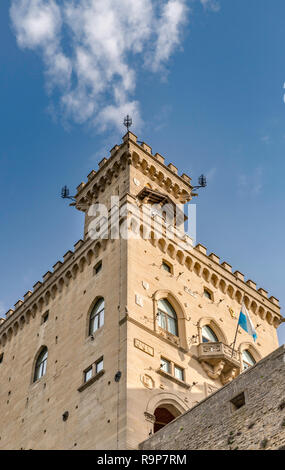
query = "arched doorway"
x=164 y=414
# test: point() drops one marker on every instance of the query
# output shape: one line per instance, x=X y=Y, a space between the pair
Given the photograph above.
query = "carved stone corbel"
x=229 y=376
x=215 y=371
x=149 y=417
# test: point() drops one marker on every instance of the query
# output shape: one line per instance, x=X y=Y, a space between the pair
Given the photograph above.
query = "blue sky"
x=208 y=96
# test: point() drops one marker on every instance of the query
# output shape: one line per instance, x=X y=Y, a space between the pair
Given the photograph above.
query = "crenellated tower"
x=126 y=333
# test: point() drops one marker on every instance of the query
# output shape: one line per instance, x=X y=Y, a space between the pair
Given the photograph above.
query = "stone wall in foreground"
x=248 y=413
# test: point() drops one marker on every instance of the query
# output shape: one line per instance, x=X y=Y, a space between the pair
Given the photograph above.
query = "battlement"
x=237 y=274
x=62 y=272
x=209 y=267
x=139 y=154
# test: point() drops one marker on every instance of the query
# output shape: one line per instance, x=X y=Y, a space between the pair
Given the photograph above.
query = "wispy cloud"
x=265 y=139
x=160 y=119
x=211 y=174
x=93 y=49
x=94 y=69
x=213 y=5
x=250 y=184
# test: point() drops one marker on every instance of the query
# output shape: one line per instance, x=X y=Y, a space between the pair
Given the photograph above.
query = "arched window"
x=247 y=359
x=97 y=316
x=167 y=318
x=208 y=336
x=41 y=364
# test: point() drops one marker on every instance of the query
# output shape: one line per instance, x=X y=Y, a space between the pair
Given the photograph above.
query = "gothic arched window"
x=97 y=316
x=167 y=318
x=41 y=364
x=208 y=336
x=247 y=359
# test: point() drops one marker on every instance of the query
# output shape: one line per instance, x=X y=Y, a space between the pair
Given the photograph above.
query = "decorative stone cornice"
x=220 y=277
x=53 y=283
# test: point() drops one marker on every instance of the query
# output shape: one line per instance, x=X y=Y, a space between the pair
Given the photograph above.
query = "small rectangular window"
x=88 y=374
x=165 y=365
x=207 y=294
x=99 y=365
x=178 y=373
x=45 y=317
x=167 y=267
x=98 y=268
x=238 y=401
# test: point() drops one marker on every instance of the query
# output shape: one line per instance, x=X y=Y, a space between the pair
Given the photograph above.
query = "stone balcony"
x=219 y=361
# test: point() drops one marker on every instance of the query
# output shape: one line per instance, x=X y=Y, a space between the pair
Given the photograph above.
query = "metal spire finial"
x=128 y=122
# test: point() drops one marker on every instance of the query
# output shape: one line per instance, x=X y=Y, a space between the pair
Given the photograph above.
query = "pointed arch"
x=188 y=263
x=180 y=257
x=269 y=317
x=214 y=280
x=167 y=317
x=230 y=291
x=247 y=346
x=208 y=321
x=253 y=307
x=246 y=301
x=179 y=311
x=238 y=296
x=171 y=250
x=206 y=274
x=95 y=316
x=197 y=268
x=162 y=245
x=40 y=363
x=97 y=249
x=223 y=286
x=261 y=312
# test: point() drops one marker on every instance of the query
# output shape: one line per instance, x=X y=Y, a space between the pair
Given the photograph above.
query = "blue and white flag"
x=245 y=322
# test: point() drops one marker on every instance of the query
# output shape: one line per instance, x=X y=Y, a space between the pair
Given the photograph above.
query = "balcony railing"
x=219 y=349
x=219 y=361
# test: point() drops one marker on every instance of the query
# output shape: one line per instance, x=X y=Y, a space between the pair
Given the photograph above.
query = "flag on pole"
x=245 y=322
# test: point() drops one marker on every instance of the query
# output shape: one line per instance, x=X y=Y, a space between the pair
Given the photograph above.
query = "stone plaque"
x=143 y=347
x=189 y=291
x=147 y=381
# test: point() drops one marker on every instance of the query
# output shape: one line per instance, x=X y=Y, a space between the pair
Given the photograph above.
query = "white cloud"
x=173 y=17
x=211 y=4
x=93 y=49
x=36 y=22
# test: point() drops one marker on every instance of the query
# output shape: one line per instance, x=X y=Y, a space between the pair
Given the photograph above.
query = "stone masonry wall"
x=215 y=423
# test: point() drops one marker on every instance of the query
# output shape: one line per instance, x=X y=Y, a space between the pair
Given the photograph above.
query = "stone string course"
x=214 y=423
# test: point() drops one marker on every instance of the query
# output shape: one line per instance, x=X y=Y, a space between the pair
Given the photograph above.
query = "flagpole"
x=234 y=343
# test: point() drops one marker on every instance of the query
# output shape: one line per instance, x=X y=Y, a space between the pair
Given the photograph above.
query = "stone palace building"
x=125 y=334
